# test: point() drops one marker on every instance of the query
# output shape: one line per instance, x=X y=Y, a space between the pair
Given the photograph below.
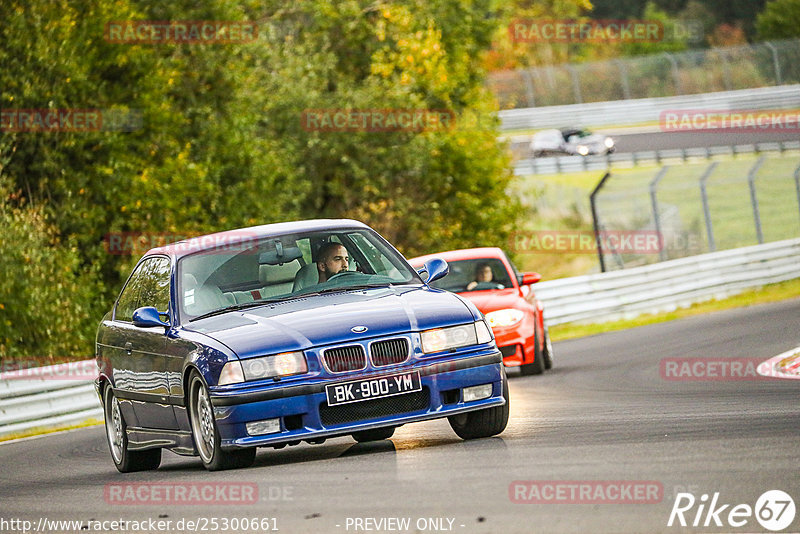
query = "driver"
x=333 y=259
x=483 y=273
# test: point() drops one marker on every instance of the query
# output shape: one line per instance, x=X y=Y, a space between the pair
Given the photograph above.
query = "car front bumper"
x=305 y=415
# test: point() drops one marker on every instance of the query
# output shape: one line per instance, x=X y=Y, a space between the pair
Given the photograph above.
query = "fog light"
x=477 y=392
x=267 y=426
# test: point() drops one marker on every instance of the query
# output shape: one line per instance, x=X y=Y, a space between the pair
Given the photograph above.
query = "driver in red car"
x=483 y=273
x=333 y=259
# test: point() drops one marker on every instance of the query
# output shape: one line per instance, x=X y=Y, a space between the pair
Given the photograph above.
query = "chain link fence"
x=700 y=207
x=658 y=75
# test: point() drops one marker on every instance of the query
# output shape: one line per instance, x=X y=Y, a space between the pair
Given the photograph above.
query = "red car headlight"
x=507 y=317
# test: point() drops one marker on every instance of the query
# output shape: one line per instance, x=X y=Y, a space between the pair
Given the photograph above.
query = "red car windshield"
x=477 y=274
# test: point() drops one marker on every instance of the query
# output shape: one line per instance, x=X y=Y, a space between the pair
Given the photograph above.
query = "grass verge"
x=769 y=293
x=39 y=431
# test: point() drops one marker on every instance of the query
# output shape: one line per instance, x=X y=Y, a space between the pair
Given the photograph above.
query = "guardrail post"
x=751 y=180
x=797 y=184
x=596 y=221
x=712 y=246
x=662 y=254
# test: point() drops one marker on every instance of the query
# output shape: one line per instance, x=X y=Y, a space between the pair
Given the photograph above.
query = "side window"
x=148 y=286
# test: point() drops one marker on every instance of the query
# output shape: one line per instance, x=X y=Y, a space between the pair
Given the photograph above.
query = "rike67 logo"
x=774 y=510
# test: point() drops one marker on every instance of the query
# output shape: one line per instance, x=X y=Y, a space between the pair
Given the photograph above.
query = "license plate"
x=373 y=388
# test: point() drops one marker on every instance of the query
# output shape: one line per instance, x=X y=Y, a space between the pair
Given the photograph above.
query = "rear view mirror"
x=148 y=316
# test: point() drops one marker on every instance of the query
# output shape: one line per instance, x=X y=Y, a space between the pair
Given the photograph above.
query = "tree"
x=779 y=20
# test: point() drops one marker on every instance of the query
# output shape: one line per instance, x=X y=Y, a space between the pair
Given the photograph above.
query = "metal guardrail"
x=555 y=165
x=44 y=398
x=667 y=285
x=637 y=111
x=47 y=402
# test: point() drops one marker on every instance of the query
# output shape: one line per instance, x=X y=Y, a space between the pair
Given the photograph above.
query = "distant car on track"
x=224 y=343
x=571 y=141
x=506 y=299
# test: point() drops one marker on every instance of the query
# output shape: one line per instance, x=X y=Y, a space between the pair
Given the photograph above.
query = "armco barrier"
x=667 y=285
x=559 y=164
x=637 y=111
x=47 y=400
x=28 y=404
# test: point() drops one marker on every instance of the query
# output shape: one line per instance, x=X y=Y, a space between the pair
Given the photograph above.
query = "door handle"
x=129 y=348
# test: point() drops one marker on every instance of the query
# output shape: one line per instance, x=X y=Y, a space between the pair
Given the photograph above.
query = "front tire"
x=548 y=350
x=482 y=423
x=206 y=435
x=376 y=434
x=126 y=461
x=536 y=367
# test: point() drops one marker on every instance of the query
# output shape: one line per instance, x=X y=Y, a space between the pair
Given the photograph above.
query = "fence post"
x=712 y=246
x=623 y=70
x=529 y=93
x=751 y=180
x=675 y=73
x=576 y=84
x=797 y=184
x=596 y=221
x=662 y=254
x=775 y=62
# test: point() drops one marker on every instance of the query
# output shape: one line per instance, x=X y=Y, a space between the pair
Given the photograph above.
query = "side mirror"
x=529 y=278
x=148 y=316
x=436 y=268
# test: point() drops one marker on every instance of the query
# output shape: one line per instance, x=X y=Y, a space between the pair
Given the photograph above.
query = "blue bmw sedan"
x=283 y=333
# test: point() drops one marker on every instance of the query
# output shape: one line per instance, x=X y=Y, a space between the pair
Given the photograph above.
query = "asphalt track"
x=603 y=413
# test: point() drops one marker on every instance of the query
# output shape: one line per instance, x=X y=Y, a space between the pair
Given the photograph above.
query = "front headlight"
x=507 y=317
x=284 y=364
x=440 y=339
x=609 y=142
x=583 y=150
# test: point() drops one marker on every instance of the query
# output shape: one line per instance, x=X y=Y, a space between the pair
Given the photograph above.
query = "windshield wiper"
x=237 y=307
x=356 y=287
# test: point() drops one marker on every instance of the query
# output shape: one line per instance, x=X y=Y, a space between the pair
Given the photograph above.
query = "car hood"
x=489 y=301
x=594 y=139
x=316 y=320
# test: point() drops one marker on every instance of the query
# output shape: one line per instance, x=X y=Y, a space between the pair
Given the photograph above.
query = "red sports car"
x=488 y=278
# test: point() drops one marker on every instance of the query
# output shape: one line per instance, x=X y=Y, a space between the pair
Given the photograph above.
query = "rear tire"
x=206 y=435
x=376 y=434
x=125 y=460
x=482 y=423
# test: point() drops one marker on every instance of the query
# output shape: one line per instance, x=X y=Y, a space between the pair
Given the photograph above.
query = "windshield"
x=475 y=275
x=285 y=267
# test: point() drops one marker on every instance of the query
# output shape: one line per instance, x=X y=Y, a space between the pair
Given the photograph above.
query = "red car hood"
x=489 y=301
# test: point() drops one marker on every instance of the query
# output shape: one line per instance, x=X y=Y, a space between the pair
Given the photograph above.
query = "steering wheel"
x=487 y=285
x=342 y=274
